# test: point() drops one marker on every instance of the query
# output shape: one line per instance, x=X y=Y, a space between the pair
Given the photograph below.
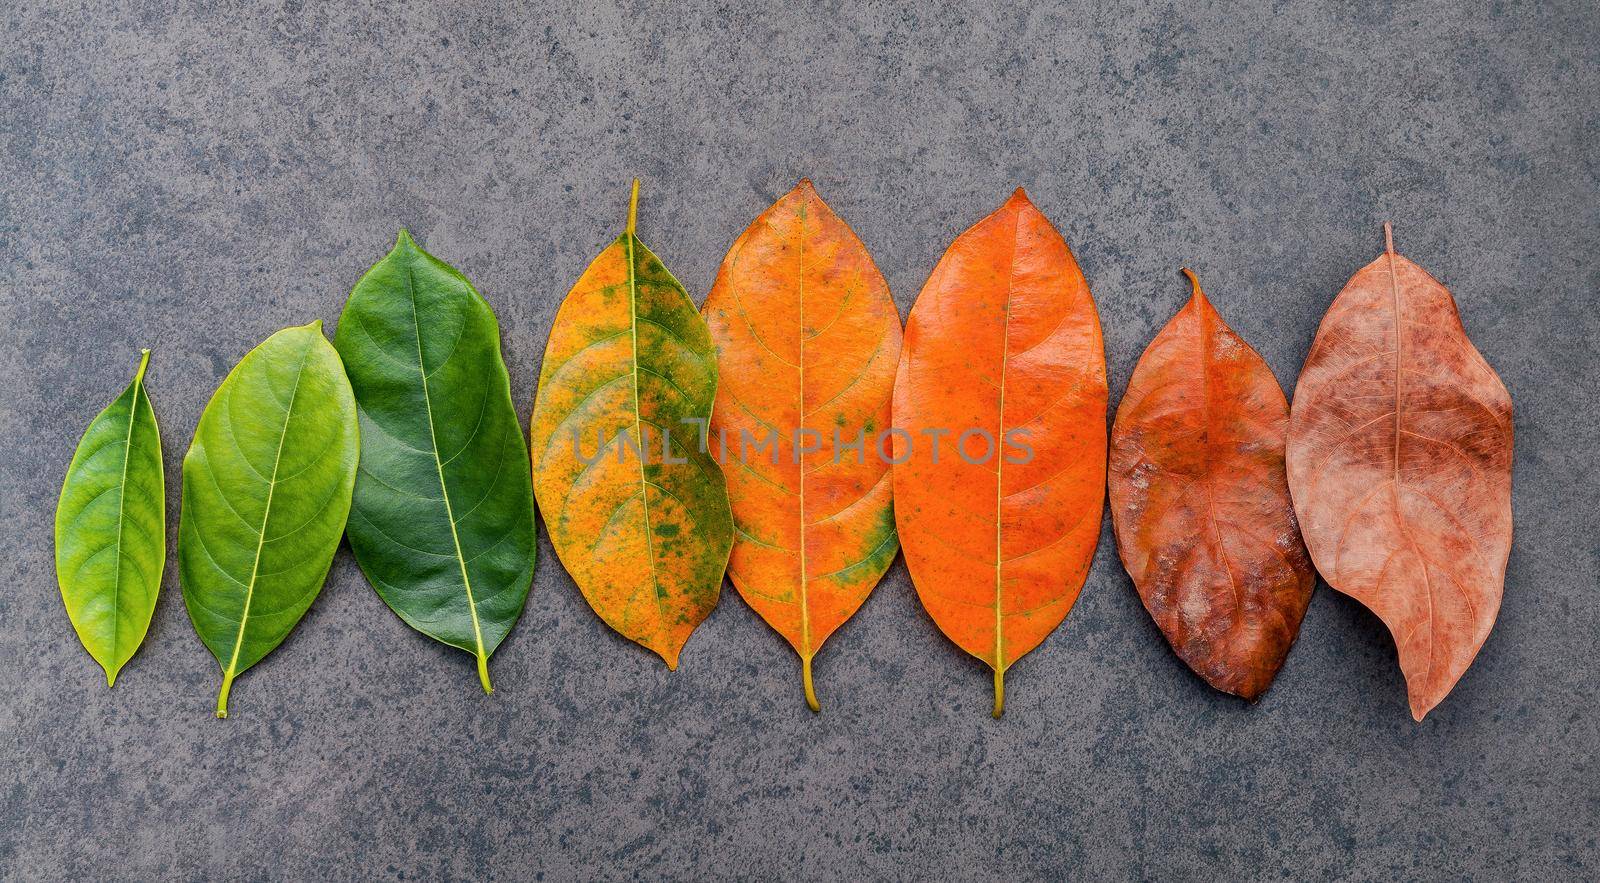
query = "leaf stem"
x=1388 y=237
x=222 y=698
x=633 y=207
x=483 y=673
x=1194 y=283
x=999 y=692
x=144 y=362
x=811 y=690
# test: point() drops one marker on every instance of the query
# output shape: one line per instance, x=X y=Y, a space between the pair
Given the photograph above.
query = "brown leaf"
x=1200 y=503
x=1399 y=461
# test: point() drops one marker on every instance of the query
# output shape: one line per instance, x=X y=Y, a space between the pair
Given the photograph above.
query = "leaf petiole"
x=811 y=690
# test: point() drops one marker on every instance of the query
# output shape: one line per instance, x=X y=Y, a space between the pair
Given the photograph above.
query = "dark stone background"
x=194 y=177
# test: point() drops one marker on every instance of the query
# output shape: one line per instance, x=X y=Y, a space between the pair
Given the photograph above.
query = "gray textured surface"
x=194 y=178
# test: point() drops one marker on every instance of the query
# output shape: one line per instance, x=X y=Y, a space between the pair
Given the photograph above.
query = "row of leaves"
x=1394 y=462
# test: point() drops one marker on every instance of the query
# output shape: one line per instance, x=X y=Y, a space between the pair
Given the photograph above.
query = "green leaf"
x=266 y=489
x=442 y=523
x=111 y=528
x=644 y=528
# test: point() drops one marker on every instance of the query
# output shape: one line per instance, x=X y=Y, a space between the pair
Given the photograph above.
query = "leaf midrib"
x=266 y=516
x=638 y=431
x=800 y=400
x=444 y=488
x=122 y=508
x=1394 y=482
x=1203 y=376
x=999 y=472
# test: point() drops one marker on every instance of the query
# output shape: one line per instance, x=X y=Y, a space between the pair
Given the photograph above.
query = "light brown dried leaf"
x=1399 y=462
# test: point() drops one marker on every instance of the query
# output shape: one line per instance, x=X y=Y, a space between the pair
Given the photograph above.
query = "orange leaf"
x=1399 y=461
x=807 y=339
x=1003 y=338
x=1201 y=505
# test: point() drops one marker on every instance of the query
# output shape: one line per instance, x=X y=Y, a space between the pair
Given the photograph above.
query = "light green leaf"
x=442 y=523
x=111 y=528
x=266 y=490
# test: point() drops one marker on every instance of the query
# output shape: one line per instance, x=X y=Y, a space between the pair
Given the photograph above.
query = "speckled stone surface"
x=194 y=177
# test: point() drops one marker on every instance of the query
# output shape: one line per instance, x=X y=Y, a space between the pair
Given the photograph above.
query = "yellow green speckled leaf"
x=630 y=361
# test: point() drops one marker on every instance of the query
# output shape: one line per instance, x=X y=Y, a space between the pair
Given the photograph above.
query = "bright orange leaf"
x=1003 y=345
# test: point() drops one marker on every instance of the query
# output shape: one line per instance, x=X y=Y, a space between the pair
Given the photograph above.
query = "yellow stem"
x=483 y=673
x=633 y=207
x=999 y=692
x=222 y=698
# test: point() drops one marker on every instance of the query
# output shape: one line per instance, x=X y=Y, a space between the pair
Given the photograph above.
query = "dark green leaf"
x=442 y=523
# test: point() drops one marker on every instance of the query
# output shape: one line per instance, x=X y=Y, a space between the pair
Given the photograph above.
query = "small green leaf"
x=111 y=528
x=442 y=523
x=266 y=490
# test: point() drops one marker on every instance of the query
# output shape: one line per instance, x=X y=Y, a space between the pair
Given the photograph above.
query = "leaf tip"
x=1019 y=198
x=111 y=677
x=404 y=240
